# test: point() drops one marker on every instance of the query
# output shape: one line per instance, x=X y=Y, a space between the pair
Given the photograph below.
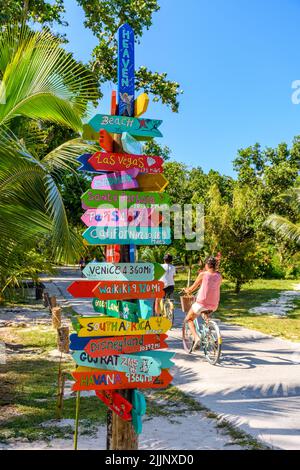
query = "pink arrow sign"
x=121 y=218
x=119 y=180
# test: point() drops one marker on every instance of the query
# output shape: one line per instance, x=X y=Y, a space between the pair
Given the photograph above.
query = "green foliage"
x=38 y=11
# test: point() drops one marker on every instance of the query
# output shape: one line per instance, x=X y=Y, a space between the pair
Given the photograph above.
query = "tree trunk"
x=238 y=285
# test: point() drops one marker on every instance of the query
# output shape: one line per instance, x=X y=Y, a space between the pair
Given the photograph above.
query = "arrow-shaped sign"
x=124 y=271
x=131 y=145
x=127 y=235
x=106 y=141
x=85 y=165
x=122 y=199
x=124 y=310
x=122 y=290
x=93 y=379
x=119 y=180
x=98 y=347
x=147 y=182
x=104 y=326
x=125 y=363
x=163 y=358
x=116 y=402
x=101 y=161
x=141 y=104
x=119 y=124
x=82 y=288
x=122 y=218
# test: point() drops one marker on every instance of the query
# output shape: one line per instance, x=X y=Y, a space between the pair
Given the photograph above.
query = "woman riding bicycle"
x=208 y=297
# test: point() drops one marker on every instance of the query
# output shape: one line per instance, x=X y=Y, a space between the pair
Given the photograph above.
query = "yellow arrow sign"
x=105 y=326
x=141 y=104
x=148 y=182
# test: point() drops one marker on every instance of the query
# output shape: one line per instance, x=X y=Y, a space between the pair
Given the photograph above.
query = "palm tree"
x=282 y=226
x=40 y=81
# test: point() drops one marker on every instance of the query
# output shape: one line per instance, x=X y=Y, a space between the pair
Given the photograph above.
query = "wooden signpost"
x=119 y=180
x=126 y=77
x=122 y=199
x=107 y=161
x=131 y=145
x=124 y=271
x=126 y=235
x=124 y=309
x=107 y=290
x=116 y=402
x=97 y=347
x=93 y=379
x=119 y=124
x=122 y=218
x=128 y=363
x=105 y=326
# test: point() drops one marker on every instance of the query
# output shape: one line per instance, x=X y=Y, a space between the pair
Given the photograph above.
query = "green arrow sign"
x=125 y=310
x=95 y=199
x=124 y=271
x=120 y=124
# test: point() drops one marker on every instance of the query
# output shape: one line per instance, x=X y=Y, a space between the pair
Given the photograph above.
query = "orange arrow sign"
x=148 y=182
x=93 y=379
x=106 y=141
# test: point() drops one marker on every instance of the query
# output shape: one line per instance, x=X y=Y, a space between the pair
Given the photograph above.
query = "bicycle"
x=167 y=309
x=210 y=339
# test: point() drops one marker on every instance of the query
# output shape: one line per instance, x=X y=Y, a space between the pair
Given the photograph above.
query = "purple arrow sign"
x=119 y=180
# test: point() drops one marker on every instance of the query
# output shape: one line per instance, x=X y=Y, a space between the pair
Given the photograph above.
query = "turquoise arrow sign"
x=138 y=402
x=124 y=271
x=127 y=235
x=119 y=124
x=95 y=198
x=128 y=363
x=162 y=357
x=130 y=145
x=145 y=309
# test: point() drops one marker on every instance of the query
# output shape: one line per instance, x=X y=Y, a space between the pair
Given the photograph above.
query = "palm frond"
x=283 y=227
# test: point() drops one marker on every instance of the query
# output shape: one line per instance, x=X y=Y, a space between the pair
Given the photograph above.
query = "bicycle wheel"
x=212 y=343
x=187 y=337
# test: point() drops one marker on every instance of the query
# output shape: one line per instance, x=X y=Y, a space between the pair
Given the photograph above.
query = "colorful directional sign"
x=106 y=141
x=85 y=165
x=82 y=288
x=148 y=182
x=163 y=358
x=121 y=217
x=138 y=410
x=122 y=290
x=104 y=326
x=122 y=199
x=107 y=161
x=145 y=309
x=127 y=235
x=119 y=180
x=124 y=271
x=106 y=307
x=131 y=145
x=126 y=310
x=120 y=124
x=141 y=104
x=93 y=379
x=97 y=347
x=116 y=403
x=124 y=363
x=126 y=70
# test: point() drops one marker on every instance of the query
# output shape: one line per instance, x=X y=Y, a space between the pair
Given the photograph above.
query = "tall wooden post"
x=121 y=434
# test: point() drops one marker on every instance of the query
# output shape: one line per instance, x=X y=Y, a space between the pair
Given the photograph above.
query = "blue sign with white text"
x=126 y=71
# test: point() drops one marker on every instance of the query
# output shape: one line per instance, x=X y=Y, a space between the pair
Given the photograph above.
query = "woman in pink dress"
x=208 y=297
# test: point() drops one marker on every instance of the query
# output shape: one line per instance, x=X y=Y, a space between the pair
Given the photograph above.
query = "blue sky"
x=234 y=59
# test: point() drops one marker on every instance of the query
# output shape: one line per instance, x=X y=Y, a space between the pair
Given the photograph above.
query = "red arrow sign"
x=121 y=290
x=125 y=345
x=106 y=141
x=116 y=403
x=101 y=161
x=82 y=288
x=93 y=379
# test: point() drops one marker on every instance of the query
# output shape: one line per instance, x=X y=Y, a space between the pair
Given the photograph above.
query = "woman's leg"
x=190 y=319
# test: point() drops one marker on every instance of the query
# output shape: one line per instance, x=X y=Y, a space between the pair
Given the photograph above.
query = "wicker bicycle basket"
x=186 y=302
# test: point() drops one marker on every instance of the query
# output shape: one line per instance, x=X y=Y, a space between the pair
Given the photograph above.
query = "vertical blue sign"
x=126 y=71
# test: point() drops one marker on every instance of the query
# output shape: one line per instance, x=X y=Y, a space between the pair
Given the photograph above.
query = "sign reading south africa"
x=104 y=326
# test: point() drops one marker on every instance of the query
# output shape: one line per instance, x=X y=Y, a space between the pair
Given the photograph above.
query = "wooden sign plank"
x=148 y=182
x=131 y=145
x=125 y=310
x=139 y=402
x=163 y=358
x=128 y=363
x=119 y=180
x=124 y=271
x=82 y=288
x=127 y=235
x=104 y=326
x=108 y=161
x=136 y=422
x=116 y=402
x=141 y=104
x=123 y=290
x=106 y=141
x=98 y=347
x=122 y=199
x=92 y=379
x=114 y=106
x=120 y=124
x=146 y=217
x=126 y=75
x=85 y=165
x=145 y=309
x=113 y=253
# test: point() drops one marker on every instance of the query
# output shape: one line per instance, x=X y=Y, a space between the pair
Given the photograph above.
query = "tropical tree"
x=43 y=83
